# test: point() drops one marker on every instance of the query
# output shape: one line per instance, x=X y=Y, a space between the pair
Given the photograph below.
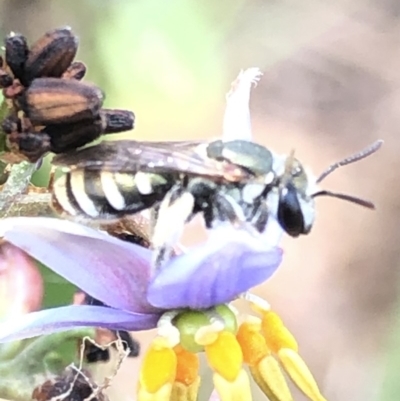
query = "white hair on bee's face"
x=273 y=232
x=237 y=123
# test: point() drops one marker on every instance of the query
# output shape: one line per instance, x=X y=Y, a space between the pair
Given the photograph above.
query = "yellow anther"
x=255 y=374
x=237 y=390
x=300 y=374
x=276 y=334
x=252 y=342
x=187 y=370
x=225 y=356
x=181 y=392
x=158 y=367
x=269 y=377
x=163 y=394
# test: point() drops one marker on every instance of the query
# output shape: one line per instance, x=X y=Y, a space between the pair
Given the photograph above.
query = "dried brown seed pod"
x=32 y=145
x=6 y=80
x=22 y=141
x=76 y=70
x=114 y=121
x=71 y=385
x=11 y=124
x=14 y=90
x=16 y=55
x=65 y=137
x=51 y=55
x=59 y=101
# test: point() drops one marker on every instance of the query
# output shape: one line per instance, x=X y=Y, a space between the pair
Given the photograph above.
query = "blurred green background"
x=331 y=86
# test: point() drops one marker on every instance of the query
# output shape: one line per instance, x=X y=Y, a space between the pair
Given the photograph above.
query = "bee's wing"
x=187 y=157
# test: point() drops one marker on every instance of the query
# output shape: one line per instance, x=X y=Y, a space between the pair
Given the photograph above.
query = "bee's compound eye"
x=290 y=215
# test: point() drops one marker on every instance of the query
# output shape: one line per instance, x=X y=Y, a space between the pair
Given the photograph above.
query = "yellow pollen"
x=225 y=356
x=277 y=336
x=252 y=342
x=158 y=367
x=187 y=369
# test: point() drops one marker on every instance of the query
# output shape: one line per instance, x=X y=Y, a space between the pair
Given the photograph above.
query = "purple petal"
x=51 y=223
x=228 y=264
x=110 y=270
x=73 y=316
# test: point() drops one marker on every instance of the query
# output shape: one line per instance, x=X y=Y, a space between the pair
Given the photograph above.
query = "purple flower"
x=188 y=299
x=118 y=274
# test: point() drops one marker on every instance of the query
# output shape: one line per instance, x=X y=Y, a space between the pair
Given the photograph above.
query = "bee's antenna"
x=349 y=198
x=351 y=159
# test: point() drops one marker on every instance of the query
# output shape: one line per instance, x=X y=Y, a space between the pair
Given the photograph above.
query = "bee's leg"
x=227 y=209
x=174 y=211
x=131 y=228
x=153 y=215
x=259 y=216
x=52 y=173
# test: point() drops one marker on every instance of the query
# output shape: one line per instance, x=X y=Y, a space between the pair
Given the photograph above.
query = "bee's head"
x=293 y=199
x=294 y=208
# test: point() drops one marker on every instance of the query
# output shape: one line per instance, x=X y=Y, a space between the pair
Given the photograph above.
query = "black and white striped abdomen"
x=99 y=194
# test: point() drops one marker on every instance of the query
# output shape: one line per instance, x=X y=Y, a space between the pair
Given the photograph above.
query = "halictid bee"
x=236 y=181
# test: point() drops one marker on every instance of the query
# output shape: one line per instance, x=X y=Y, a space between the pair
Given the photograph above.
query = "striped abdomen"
x=98 y=194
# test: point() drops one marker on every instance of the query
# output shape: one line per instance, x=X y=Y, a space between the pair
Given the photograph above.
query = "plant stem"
x=16 y=184
x=29 y=205
x=31 y=367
